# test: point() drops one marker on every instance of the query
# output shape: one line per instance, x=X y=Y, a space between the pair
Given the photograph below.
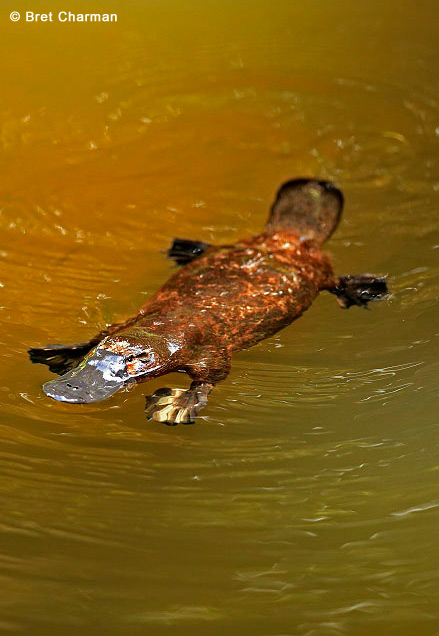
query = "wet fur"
x=227 y=298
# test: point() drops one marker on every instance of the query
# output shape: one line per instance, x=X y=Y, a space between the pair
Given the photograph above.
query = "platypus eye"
x=143 y=356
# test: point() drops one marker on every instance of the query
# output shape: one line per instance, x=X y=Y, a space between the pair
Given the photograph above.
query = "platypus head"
x=134 y=355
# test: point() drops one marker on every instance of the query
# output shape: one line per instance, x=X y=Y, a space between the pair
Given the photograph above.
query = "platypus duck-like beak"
x=96 y=378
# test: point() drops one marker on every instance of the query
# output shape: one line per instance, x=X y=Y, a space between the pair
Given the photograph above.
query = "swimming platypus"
x=223 y=299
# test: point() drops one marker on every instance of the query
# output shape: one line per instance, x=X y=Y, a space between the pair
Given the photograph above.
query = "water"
x=305 y=499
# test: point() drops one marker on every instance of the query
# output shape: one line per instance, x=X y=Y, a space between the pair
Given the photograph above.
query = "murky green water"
x=305 y=500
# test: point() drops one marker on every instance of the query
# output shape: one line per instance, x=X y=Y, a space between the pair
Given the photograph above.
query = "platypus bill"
x=223 y=299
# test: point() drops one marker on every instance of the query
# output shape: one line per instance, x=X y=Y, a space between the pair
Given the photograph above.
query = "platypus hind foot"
x=184 y=251
x=359 y=290
x=177 y=406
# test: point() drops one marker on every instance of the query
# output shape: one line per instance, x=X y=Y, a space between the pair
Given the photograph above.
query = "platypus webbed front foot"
x=359 y=290
x=60 y=358
x=177 y=406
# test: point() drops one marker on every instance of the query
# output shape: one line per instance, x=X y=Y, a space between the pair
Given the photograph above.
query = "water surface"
x=305 y=500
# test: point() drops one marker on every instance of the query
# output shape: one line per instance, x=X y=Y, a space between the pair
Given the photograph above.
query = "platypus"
x=223 y=299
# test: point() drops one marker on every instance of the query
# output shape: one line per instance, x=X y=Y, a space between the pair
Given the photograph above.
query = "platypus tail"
x=310 y=207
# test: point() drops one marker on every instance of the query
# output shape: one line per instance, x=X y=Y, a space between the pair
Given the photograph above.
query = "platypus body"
x=223 y=299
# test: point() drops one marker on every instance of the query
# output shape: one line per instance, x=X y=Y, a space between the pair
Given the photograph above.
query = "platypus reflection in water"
x=223 y=299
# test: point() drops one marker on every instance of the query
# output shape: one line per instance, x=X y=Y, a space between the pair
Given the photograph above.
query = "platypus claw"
x=177 y=406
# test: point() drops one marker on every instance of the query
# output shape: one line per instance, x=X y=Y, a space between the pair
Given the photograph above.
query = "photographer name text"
x=65 y=16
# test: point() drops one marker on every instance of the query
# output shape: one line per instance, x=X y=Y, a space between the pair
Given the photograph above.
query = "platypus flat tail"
x=310 y=207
